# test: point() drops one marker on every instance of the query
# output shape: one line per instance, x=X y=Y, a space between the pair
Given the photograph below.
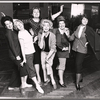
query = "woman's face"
x=61 y=25
x=46 y=27
x=84 y=21
x=36 y=13
x=19 y=25
x=8 y=24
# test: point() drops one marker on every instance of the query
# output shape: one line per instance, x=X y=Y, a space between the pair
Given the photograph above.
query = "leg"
x=43 y=56
x=15 y=80
x=37 y=85
x=31 y=72
x=37 y=68
x=50 y=70
x=23 y=82
x=61 y=69
x=79 y=61
x=23 y=74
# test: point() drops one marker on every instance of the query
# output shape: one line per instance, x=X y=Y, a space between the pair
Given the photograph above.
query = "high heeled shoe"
x=78 y=87
x=81 y=80
x=62 y=85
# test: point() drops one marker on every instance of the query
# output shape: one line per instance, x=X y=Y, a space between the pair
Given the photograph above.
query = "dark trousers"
x=79 y=58
x=17 y=73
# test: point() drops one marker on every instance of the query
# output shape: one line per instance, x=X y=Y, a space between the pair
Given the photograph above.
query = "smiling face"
x=36 y=13
x=8 y=24
x=19 y=25
x=84 y=21
x=46 y=27
x=61 y=25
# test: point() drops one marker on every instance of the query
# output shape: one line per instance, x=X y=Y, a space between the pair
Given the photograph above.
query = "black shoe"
x=62 y=85
x=78 y=87
x=81 y=80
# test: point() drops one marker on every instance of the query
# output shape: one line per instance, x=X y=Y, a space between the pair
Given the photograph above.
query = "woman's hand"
x=35 y=38
x=22 y=63
x=86 y=44
x=67 y=32
x=3 y=14
x=18 y=58
x=61 y=8
x=65 y=48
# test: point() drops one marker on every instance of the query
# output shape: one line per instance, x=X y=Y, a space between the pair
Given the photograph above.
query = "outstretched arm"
x=3 y=14
x=58 y=13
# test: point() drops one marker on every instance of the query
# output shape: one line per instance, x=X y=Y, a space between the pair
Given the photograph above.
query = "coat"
x=94 y=41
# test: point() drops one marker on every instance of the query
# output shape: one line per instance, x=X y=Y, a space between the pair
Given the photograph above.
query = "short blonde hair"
x=46 y=21
x=15 y=23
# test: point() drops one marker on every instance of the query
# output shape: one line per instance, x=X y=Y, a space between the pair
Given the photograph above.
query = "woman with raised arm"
x=35 y=28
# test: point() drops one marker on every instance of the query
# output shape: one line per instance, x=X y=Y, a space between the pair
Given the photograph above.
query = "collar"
x=61 y=31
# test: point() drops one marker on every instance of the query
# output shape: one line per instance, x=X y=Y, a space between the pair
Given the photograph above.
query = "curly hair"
x=46 y=21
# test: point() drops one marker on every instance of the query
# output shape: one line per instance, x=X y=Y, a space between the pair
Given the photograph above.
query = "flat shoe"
x=13 y=88
x=40 y=90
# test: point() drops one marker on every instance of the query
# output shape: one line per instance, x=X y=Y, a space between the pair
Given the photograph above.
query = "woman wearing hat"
x=15 y=55
x=47 y=44
x=63 y=48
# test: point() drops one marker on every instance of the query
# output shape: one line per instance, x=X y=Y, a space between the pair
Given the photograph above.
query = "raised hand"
x=3 y=14
x=61 y=8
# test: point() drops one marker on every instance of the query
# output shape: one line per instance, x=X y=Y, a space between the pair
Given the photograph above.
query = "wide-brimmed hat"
x=46 y=21
x=60 y=18
x=5 y=18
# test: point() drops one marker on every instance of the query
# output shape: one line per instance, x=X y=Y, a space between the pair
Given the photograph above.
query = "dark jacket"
x=13 y=42
x=94 y=41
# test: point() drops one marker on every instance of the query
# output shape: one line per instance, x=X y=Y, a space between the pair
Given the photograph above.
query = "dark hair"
x=31 y=11
x=82 y=16
x=5 y=18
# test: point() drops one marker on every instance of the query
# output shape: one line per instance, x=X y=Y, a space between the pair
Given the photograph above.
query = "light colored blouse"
x=28 y=41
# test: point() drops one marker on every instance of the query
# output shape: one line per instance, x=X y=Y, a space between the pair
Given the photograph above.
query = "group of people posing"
x=39 y=44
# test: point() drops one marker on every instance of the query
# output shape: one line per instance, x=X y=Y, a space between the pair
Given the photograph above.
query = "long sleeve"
x=58 y=40
x=11 y=43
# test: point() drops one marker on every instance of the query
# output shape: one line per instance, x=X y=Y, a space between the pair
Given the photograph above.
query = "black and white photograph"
x=49 y=50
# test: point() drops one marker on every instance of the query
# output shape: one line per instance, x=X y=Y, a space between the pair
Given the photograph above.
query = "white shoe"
x=13 y=88
x=40 y=90
x=28 y=85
